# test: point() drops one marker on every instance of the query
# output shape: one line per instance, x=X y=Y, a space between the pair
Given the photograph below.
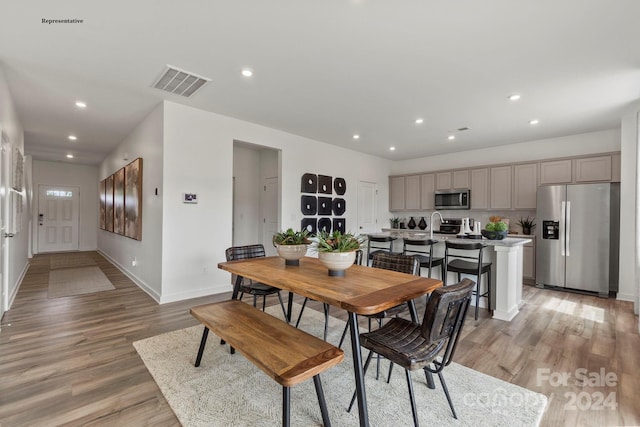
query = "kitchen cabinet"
x=443 y=181
x=396 y=193
x=615 y=167
x=500 y=187
x=461 y=179
x=412 y=193
x=529 y=260
x=555 y=172
x=479 y=188
x=593 y=169
x=525 y=184
x=427 y=191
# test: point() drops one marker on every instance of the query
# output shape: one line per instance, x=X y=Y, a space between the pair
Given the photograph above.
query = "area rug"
x=227 y=390
x=71 y=259
x=76 y=281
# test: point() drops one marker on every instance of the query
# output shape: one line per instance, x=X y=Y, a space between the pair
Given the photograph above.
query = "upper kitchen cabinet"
x=412 y=193
x=461 y=179
x=479 y=188
x=500 y=187
x=555 y=172
x=457 y=179
x=427 y=191
x=396 y=193
x=444 y=181
x=593 y=169
x=525 y=184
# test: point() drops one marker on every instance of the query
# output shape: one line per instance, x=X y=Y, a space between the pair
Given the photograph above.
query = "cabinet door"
x=412 y=193
x=556 y=172
x=443 y=181
x=525 y=184
x=500 y=193
x=593 y=169
x=461 y=179
x=427 y=190
x=396 y=193
x=480 y=188
x=529 y=261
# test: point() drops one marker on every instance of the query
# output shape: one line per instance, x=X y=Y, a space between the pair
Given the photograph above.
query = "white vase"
x=337 y=262
x=291 y=253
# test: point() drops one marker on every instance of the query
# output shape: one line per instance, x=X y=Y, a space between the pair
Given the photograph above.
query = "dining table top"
x=362 y=290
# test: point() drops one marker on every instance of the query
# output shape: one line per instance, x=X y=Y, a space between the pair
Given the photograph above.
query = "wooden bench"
x=284 y=353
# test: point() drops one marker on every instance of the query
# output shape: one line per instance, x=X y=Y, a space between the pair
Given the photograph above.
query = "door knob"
x=9 y=234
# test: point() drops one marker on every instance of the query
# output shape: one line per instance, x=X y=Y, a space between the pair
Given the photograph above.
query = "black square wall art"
x=309 y=224
x=339 y=206
x=324 y=184
x=340 y=186
x=309 y=205
x=325 y=207
x=339 y=225
x=324 y=224
x=309 y=183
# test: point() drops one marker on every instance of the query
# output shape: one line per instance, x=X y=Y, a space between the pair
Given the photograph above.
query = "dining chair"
x=429 y=346
x=378 y=244
x=468 y=260
x=357 y=261
x=423 y=250
x=248 y=286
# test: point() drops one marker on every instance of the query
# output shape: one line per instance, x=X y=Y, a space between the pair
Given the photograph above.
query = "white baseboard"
x=12 y=297
x=625 y=297
x=209 y=290
x=139 y=282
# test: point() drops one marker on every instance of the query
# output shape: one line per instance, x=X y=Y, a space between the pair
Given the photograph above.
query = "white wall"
x=573 y=145
x=246 y=170
x=67 y=174
x=145 y=142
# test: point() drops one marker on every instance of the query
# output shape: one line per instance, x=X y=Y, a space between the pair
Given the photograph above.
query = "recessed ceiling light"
x=73 y=137
x=514 y=97
x=69 y=156
x=451 y=137
x=247 y=72
x=356 y=136
x=419 y=121
x=534 y=122
x=81 y=104
x=392 y=148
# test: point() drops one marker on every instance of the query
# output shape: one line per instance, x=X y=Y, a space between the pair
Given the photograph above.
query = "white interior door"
x=5 y=159
x=269 y=214
x=58 y=218
x=367 y=202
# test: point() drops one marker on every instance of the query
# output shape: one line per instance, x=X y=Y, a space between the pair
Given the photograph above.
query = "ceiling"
x=325 y=70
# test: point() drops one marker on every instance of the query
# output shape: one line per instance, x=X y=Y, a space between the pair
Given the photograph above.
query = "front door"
x=58 y=218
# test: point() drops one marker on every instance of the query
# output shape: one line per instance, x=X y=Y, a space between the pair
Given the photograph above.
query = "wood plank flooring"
x=70 y=361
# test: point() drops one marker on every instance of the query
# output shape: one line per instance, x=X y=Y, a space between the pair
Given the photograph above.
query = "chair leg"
x=203 y=342
x=321 y=401
x=264 y=302
x=489 y=290
x=390 y=370
x=414 y=409
x=446 y=392
x=364 y=374
x=478 y=294
x=304 y=304
x=286 y=406
x=255 y=298
x=344 y=334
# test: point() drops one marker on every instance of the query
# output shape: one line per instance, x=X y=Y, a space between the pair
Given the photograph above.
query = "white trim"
x=180 y=296
x=141 y=284
x=626 y=297
x=12 y=297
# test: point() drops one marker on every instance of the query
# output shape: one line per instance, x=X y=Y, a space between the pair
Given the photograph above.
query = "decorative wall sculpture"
x=108 y=185
x=325 y=206
x=133 y=199
x=118 y=202
x=103 y=204
x=121 y=201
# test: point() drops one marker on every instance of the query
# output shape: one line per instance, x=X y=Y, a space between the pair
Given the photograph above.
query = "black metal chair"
x=326 y=306
x=423 y=250
x=469 y=261
x=377 y=244
x=248 y=286
x=429 y=346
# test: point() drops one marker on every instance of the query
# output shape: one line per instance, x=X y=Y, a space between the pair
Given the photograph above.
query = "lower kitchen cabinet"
x=529 y=261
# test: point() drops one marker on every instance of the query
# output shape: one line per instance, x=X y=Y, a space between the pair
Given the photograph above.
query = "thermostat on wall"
x=189 y=198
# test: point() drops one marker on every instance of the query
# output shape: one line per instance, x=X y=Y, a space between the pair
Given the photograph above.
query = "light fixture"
x=514 y=97
x=73 y=137
x=81 y=104
x=247 y=72
x=69 y=156
x=392 y=148
x=534 y=121
x=451 y=137
x=356 y=136
x=419 y=121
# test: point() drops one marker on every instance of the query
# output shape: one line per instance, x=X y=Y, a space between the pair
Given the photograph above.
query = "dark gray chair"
x=423 y=250
x=378 y=244
x=429 y=346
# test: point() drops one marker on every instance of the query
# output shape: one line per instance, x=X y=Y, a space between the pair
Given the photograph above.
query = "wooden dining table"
x=363 y=290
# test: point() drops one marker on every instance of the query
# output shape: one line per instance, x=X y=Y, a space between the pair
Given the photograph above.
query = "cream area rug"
x=227 y=390
x=70 y=259
x=76 y=281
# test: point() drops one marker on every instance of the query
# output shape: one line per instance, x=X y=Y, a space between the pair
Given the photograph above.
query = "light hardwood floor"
x=71 y=360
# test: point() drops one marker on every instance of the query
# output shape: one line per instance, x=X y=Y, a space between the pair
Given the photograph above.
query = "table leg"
x=289 y=307
x=236 y=291
x=357 y=367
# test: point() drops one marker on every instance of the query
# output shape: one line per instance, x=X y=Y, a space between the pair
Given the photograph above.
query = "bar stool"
x=376 y=244
x=475 y=266
x=423 y=250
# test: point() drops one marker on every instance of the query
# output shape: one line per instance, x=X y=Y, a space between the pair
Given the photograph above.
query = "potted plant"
x=527 y=225
x=336 y=250
x=395 y=222
x=291 y=245
x=495 y=230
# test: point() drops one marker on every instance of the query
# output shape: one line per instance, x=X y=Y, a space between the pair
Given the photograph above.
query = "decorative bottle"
x=422 y=224
x=412 y=223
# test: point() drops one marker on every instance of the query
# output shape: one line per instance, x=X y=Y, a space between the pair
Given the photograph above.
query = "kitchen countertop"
x=510 y=240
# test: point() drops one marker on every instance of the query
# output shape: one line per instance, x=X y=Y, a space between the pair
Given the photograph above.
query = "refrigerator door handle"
x=568 y=229
x=562 y=230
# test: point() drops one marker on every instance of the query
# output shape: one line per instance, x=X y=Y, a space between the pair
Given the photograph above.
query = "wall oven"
x=453 y=199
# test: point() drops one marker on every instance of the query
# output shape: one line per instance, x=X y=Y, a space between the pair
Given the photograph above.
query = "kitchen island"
x=506 y=271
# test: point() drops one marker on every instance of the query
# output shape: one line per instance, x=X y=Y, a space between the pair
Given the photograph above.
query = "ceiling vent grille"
x=180 y=82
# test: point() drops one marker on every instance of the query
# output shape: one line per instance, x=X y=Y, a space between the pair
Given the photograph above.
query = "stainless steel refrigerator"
x=577 y=237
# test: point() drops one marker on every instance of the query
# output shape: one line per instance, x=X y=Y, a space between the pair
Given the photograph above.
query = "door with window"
x=58 y=218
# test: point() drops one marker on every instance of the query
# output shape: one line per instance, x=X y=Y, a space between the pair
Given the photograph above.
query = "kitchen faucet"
x=431 y=222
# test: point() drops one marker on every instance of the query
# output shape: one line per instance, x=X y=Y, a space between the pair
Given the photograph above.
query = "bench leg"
x=286 y=404
x=321 y=401
x=203 y=342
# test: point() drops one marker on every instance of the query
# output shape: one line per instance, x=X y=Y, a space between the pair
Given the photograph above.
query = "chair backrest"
x=418 y=246
x=396 y=262
x=445 y=314
x=358 y=259
x=244 y=252
x=464 y=250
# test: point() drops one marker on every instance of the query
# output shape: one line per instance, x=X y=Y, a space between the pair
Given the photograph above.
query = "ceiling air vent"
x=180 y=82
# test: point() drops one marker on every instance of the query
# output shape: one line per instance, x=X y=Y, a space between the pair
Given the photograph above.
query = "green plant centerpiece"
x=336 y=251
x=291 y=245
x=495 y=230
x=395 y=222
x=527 y=224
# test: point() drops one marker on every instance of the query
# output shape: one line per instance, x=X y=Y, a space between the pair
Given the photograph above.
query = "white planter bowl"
x=337 y=262
x=291 y=253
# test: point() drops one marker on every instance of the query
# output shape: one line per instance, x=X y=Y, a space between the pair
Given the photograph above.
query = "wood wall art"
x=133 y=199
x=118 y=202
x=103 y=204
x=108 y=186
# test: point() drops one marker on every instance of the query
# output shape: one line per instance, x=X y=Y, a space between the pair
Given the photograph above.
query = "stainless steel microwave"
x=453 y=199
